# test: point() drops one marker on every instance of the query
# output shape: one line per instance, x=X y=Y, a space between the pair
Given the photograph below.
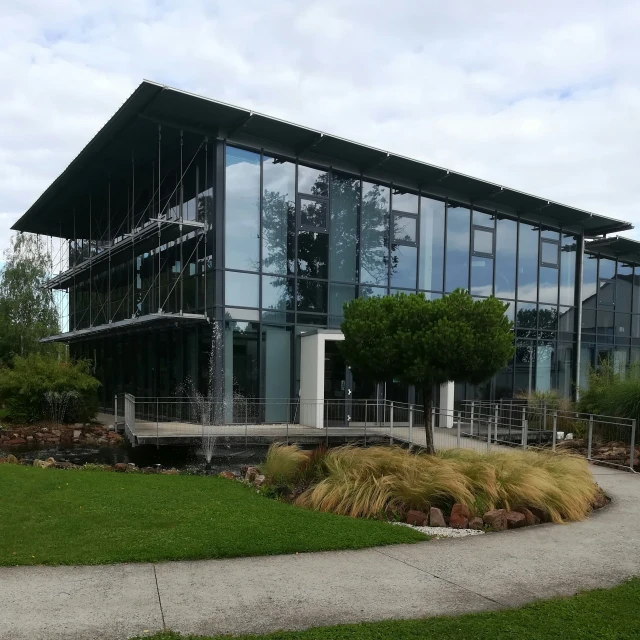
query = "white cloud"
x=541 y=97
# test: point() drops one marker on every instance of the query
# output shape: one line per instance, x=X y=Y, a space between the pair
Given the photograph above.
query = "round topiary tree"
x=427 y=342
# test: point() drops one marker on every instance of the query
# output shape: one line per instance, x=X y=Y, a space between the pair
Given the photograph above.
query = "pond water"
x=184 y=458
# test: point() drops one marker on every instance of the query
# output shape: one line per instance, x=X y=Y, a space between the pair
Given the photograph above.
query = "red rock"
x=459 y=518
x=417 y=518
x=16 y=441
x=599 y=501
x=436 y=519
x=228 y=475
x=529 y=517
x=539 y=513
x=496 y=519
x=120 y=466
x=515 y=520
x=476 y=523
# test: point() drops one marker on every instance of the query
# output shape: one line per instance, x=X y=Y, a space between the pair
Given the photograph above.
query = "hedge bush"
x=34 y=385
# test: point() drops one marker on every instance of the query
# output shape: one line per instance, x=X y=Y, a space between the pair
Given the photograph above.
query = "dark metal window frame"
x=555 y=243
x=404 y=214
x=482 y=254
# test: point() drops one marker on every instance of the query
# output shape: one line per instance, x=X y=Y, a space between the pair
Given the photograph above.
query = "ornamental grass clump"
x=283 y=463
x=367 y=482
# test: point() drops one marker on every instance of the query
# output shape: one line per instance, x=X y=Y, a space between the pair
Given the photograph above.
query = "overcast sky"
x=539 y=96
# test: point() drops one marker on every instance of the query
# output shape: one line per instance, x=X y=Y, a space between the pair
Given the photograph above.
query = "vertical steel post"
x=157 y=424
x=410 y=424
x=471 y=418
x=524 y=426
x=555 y=430
x=633 y=443
x=458 y=427
x=495 y=423
x=366 y=407
x=488 y=417
x=544 y=421
x=246 y=422
x=590 y=437
x=391 y=424
x=433 y=425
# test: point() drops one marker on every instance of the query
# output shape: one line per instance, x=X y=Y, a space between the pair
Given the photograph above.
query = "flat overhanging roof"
x=616 y=248
x=133 y=126
x=151 y=320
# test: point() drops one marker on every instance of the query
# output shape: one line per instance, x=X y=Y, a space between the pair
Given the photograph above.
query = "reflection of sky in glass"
x=528 y=262
x=407 y=202
x=431 y=244
x=506 y=244
x=457 y=248
x=403 y=266
x=242 y=211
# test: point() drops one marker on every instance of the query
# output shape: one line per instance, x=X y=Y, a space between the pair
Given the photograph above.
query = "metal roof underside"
x=617 y=248
x=151 y=320
x=133 y=126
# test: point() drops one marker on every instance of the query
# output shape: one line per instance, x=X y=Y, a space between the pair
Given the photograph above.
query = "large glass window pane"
x=624 y=285
x=242 y=210
x=506 y=245
x=589 y=281
x=312 y=296
x=524 y=365
x=276 y=372
x=605 y=323
x=528 y=262
x=565 y=369
x=431 y=244
x=241 y=289
x=339 y=294
x=606 y=293
x=607 y=268
x=481 y=276
x=313 y=213
x=588 y=321
x=549 y=285
x=623 y=326
x=549 y=253
x=545 y=365
x=636 y=290
x=278 y=216
x=407 y=202
x=313 y=254
x=373 y=292
x=240 y=367
x=547 y=317
x=458 y=218
x=277 y=293
x=403 y=266
x=345 y=200
x=374 y=235
x=567 y=270
x=315 y=182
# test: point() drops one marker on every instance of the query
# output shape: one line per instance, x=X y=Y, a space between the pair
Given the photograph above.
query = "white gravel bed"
x=443 y=532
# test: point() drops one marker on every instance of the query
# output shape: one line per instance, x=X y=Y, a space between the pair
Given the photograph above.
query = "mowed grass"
x=50 y=516
x=611 y=614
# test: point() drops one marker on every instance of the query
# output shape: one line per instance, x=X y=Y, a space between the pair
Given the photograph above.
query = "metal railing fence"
x=477 y=425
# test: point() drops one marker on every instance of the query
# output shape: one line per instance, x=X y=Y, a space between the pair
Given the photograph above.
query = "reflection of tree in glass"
x=531 y=324
x=375 y=236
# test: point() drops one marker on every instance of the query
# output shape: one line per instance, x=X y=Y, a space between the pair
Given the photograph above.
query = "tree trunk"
x=427 y=403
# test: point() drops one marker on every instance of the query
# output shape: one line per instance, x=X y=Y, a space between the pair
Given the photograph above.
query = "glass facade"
x=296 y=242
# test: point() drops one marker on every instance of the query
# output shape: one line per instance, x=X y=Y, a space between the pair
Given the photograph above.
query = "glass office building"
x=184 y=212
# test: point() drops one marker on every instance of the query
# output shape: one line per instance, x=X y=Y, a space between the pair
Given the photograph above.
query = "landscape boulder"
x=250 y=474
x=11 y=459
x=417 y=518
x=227 y=475
x=496 y=519
x=476 y=524
x=259 y=480
x=436 y=519
x=459 y=518
x=539 y=513
x=599 y=501
x=120 y=466
x=529 y=517
x=515 y=520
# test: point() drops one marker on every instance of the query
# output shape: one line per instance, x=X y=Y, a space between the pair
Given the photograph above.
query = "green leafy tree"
x=27 y=310
x=427 y=342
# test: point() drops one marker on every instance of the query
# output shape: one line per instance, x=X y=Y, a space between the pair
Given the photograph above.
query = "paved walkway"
x=268 y=593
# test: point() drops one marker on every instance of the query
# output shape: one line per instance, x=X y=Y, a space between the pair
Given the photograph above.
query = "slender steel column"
x=577 y=328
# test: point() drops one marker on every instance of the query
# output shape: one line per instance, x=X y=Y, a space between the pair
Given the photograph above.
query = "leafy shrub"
x=39 y=387
x=366 y=482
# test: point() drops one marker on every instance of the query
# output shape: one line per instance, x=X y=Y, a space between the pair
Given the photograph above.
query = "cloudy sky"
x=540 y=96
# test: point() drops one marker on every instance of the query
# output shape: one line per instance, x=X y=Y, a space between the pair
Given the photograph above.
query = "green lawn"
x=50 y=516
x=612 y=614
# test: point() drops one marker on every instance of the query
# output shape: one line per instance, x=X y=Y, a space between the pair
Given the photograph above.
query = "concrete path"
x=268 y=593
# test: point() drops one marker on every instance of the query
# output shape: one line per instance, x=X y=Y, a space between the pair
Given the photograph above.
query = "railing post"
x=633 y=443
x=157 y=424
x=471 y=419
x=488 y=432
x=555 y=430
x=433 y=426
x=495 y=423
x=524 y=427
x=366 y=407
x=391 y=424
x=410 y=424
x=544 y=422
x=590 y=437
x=458 y=427
x=246 y=423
